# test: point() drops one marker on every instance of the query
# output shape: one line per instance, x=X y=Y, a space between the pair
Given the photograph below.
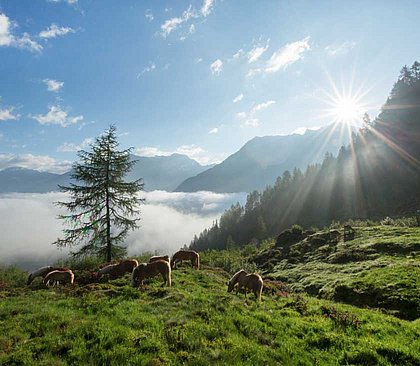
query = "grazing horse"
x=118 y=269
x=147 y=270
x=159 y=257
x=65 y=276
x=252 y=281
x=41 y=272
x=184 y=255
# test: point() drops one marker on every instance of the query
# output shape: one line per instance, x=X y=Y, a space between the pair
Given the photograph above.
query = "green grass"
x=380 y=268
x=196 y=322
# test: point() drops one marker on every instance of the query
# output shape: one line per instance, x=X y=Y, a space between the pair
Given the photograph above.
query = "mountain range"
x=158 y=173
x=261 y=160
x=258 y=163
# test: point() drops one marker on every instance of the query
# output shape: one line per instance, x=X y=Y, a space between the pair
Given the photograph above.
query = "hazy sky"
x=195 y=77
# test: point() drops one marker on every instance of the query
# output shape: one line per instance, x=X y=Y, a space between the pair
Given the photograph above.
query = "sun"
x=345 y=106
x=347 y=110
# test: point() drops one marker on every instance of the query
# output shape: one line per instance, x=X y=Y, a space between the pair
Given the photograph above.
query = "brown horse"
x=65 y=276
x=147 y=270
x=118 y=269
x=186 y=255
x=251 y=281
x=159 y=257
x=41 y=272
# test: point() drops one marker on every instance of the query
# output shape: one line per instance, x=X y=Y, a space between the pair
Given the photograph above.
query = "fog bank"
x=29 y=224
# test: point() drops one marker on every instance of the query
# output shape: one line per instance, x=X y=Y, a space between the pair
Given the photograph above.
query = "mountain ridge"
x=158 y=173
x=262 y=159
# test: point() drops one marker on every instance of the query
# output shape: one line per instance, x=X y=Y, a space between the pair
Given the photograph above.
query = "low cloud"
x=28 y=228
x=8 y=39
x=257 y=52
x=238 y=54
x=6 y=114
x=216 y=67
x=36 y=162
x=53 y=85
x=338 y=49
x=193 y=151
x=238 y=98
x=284 y=57
x=214 y=130
x=249 y=119
x=71 y=147
x=69 y=2
x=168 y=221
x=303 y=130
x=260 y=106
x=207 y=7
x=287 y=55
x=146 y=69
x=57 y=116
x=171 y=24
x=149 y=15
x=54 y=31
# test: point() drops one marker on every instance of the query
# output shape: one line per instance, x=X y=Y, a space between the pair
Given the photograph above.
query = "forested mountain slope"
x=376 y=175
x=261 y=160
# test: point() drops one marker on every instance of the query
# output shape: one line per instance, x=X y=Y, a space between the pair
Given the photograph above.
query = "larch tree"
x=103 y=207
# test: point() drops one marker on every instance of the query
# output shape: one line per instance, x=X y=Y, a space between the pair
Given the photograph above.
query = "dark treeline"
x=377 y=175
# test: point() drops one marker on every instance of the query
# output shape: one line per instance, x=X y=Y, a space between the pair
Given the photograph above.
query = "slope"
x=261 y=160
x=196 y=322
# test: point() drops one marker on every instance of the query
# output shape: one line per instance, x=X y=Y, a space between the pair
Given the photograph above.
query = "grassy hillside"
x=195 y=322
x=379 y=268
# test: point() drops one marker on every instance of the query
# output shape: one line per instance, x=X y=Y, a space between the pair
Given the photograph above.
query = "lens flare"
x=347 y=110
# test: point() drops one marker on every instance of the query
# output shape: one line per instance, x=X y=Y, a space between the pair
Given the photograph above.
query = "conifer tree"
x=103 y=207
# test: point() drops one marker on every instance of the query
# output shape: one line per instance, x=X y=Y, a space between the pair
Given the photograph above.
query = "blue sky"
x=194 y=77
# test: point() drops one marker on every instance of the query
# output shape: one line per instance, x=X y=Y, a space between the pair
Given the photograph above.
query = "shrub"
x=340 y=318
x=299 y=303
x=297 y=229
x=387 y=221
x=12 y=277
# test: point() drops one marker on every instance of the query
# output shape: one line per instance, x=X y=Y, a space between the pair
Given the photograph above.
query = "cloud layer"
x=36 y=162
x=169 y=220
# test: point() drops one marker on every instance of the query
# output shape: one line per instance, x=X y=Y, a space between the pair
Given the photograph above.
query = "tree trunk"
x=108 y=220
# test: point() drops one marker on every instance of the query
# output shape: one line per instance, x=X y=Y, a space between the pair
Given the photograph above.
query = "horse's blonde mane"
x=236 y=275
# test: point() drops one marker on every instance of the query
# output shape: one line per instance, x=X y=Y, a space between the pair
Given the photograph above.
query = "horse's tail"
x=71 y=277
x=260 y=288
x=198 y=261
x=169 y=280
x=133 y=277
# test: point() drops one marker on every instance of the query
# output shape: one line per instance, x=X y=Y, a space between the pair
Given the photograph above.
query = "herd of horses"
x=162 y=265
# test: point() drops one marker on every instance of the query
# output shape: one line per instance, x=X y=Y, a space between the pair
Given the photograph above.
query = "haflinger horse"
x=186 y=255
x=152 y=269
x=59 y=276
x=251 y=281
x=118 y=269
x=159 y=257
x=41 y=272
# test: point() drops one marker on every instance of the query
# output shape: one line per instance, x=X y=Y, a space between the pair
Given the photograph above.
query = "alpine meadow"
x=209 y=182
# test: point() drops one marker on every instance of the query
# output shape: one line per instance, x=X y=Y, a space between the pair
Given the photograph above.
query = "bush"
x=387 y=221
x=340 y=318
x=299 y=303
x=12 y=277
